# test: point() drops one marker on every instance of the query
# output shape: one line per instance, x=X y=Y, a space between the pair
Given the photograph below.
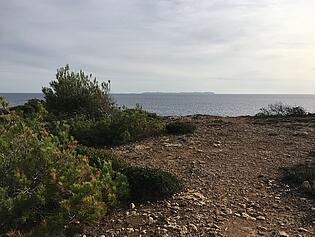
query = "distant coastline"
x=181 y=93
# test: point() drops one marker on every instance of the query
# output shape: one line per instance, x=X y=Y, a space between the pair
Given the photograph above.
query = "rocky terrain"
x=231 y=168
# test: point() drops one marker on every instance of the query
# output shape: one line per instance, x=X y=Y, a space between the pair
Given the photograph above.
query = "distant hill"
x=186 y=93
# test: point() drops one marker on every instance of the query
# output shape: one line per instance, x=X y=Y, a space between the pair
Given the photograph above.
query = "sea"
x=175 y=104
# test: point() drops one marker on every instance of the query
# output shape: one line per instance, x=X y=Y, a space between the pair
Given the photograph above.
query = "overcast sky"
x=225 y=46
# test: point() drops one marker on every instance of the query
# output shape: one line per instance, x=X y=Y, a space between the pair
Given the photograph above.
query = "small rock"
x=130 y=230
x=283 y=234
x=132 y=206
x=151 y=220
x=228 y=211
x=261 y=218
x=306 y=185
x=193 y=227
x=245 y=215
x=262 y=228
x=304 y=230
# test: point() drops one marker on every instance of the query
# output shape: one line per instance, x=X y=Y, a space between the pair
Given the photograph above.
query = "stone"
x=151 y=220
x=306 y=185
x=304 y=230
x=245 y=215
x=132 y=206
x=283 y=234
x=194 y=227
x=130 y=230
x=261 y=218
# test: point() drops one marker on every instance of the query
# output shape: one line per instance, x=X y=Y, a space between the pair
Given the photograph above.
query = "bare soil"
x=231 y=168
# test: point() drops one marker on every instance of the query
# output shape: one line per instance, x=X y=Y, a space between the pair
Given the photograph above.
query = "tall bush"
x=77 y=93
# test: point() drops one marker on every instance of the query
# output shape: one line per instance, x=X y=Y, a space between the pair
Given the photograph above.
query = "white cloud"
x=243 y=46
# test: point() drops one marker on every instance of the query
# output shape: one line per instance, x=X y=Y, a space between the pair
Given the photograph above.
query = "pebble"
x=261 y=218
x=151 y=220
x=195 y=228
x=132 y=206
x=306 y=185
x=283 y=234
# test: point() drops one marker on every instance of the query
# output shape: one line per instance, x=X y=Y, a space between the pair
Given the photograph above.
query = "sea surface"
x=170 y=104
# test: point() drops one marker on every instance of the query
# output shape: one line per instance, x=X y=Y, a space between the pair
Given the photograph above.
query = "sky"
x=224 y=46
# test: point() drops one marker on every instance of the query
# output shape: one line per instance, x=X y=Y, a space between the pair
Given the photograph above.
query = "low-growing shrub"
x=120 y=128
x=302 y=176
x=97 y=158
x=31 y=107
x=151 y=184
x=300 y=173
x=133 y=124
x=180 y=127
x=46 y=187
x=280 y=109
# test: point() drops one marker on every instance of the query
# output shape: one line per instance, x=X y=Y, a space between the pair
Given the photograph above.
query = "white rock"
x=151 y=220
x=132 y=206
x=283 y=234
x=261 y=218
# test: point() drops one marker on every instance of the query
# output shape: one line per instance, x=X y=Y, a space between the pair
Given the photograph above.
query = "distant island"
x=186 y=93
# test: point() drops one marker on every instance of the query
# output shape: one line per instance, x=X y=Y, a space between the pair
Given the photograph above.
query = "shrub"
x=280 y=109
x=120 y=128
x=77 y=93
x=91 y=131
x=151 y=184
x=4 y=104
x=300 y=174
x=180 y=127
x=133 y=124
x=97 y=157
x=31 y=107
x=46 y=187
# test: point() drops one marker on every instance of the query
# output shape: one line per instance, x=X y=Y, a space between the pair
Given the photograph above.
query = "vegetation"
x=280 y=109
x=99 y=157
x=122 y=127
x=302 y=176
x=180 y=127
x=151 y=184
x=77 y=93
x=45 y=185
x=50 y=184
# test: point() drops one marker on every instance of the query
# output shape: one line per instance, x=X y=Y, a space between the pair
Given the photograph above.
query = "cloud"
x=152 y=45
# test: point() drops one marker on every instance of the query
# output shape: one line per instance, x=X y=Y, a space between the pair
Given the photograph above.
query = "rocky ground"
x=231 y=168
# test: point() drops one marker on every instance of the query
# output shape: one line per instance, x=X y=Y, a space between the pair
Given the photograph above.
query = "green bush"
x=280 y=109
x=300 y=173
x=180 y=127
x=4 y=104
x=31 y=107
x=120 y=128
x=97 y=158
x=91 y=131
x=133 y=124
x=77 y=93
x=151 y=184
x=46 y=187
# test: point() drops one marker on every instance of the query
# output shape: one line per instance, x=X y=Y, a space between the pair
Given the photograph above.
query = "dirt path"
x=231 y=169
